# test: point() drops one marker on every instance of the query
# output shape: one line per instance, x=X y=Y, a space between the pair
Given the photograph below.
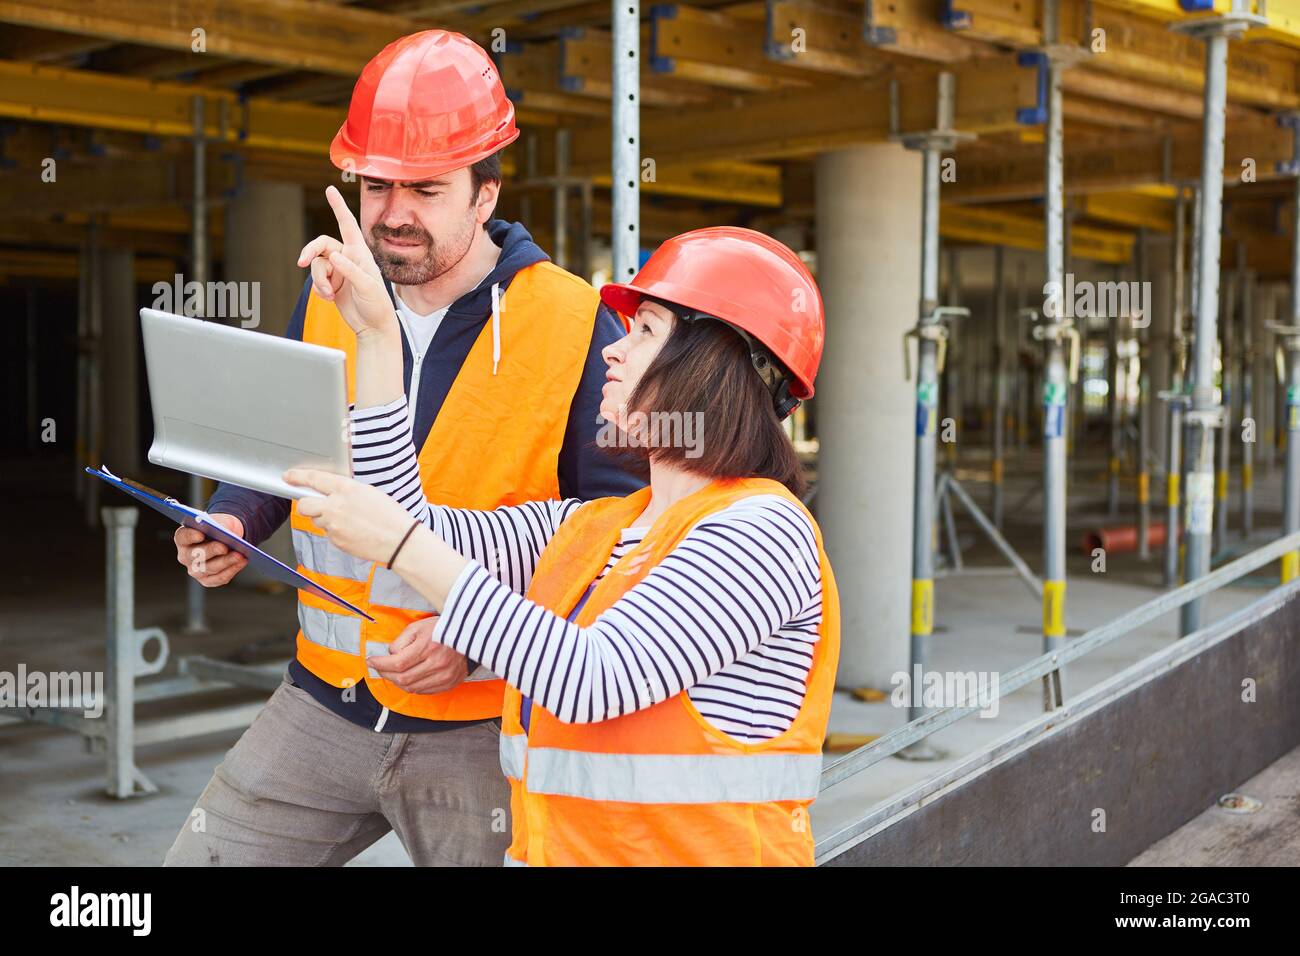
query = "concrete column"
x=264 y=232
x=118 y=352
x=869 y=270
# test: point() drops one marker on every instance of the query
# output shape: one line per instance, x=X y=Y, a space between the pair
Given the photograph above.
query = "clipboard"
x=200 y=521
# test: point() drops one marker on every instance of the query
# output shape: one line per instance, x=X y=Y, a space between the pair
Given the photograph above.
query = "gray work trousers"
x=305 y=787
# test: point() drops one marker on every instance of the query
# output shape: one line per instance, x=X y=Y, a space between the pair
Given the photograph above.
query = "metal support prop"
x=1289 y=344
x=1115 y=412
x=195 y=598
x=125 y=657
x=1291 y=466
x=1023 y=378
x=1228 y=393
x=1204 y=415
x=586 y=193
x=1246 y=376
x=560 y=197
x=90 y=346
x=625 y=245
x=1057 y=333
x=952 y=383
x=999 y=379
x=1143 y=410
x=1174 y=398
x=931 y=335
x=1177 y=402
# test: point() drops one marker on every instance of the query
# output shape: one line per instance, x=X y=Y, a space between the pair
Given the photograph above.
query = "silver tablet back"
x=242 y=406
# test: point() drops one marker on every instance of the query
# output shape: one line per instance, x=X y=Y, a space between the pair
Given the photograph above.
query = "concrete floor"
x=52 y=807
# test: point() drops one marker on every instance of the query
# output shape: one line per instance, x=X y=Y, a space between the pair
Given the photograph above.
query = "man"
x=376 y=727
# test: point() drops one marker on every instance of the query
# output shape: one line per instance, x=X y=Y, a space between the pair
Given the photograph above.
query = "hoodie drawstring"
x=496 y=325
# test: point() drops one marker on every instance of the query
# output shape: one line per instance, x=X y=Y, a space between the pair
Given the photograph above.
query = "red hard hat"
x=428 y=103
x=744 y=278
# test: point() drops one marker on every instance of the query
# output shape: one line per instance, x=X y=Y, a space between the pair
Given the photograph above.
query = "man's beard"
x=435 y=261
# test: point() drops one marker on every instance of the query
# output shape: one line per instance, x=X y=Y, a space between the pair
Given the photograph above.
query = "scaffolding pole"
x=195 y=598
x=999 y=379
x=1061 y=347
x=1115 y=412
x=1143 y=409
x=1247 y=391
x=625 y=245
x=1288 y=344
x=1228 y=395
x=931 y=336
x=560 y=198
x=1205 y=415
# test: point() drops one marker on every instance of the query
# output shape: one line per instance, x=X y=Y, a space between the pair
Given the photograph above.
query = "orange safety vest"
x=496 y=441
x=661 y=786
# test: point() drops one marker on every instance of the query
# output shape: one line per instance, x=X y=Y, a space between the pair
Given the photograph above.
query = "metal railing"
x=1040 y=667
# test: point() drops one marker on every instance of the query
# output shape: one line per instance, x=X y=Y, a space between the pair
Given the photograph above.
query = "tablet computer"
x=243 y=406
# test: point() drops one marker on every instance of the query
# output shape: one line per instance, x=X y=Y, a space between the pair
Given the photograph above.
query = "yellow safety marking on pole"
x=1054 y=608
x=1247 y=475
x=1144 y=487
x=922 y=606
x=1114 y=466
x=1290 y=566
x=1221 y=486
x=1171 y=491
x=997 y=471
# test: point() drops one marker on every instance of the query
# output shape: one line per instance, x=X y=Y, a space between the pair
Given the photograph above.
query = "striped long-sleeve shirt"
x=730 y=616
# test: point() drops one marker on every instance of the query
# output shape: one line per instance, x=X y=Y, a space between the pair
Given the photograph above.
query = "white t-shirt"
x=420 y=328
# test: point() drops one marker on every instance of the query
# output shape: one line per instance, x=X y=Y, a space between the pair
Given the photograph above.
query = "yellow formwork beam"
x=813 y=37
x=1124 y=164
x=1283 y=16
x=711 y=47
x=1129 y=209
x=753 y=184
x=295 y=34
x=1133 y=44
x=585 y=68
x=26 y=263
x=997 y=228
x=989 y=96
x=104 y=101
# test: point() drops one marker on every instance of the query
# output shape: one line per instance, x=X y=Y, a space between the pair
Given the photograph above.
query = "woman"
x=670 y=668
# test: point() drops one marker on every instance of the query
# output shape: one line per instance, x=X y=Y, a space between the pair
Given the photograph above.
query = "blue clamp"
x=661 y=11
x=1034 y=115
x=954 y=19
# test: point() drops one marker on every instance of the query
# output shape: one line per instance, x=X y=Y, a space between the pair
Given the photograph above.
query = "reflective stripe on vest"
x=316 y=553
x=390 y=590
x=339 y=632
x=513 y=749
x=511 y=861
x=673 y=778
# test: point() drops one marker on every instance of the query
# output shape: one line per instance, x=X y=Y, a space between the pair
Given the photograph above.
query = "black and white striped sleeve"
x=506 y=541
x=736 y=579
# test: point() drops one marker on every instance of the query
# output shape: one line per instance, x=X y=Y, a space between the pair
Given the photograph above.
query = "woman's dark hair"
x=703 y=387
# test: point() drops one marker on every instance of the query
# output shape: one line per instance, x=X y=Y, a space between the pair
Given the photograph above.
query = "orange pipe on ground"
x=1122 y=539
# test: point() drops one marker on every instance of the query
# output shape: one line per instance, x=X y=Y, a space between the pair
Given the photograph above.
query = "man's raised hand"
x=344 y=272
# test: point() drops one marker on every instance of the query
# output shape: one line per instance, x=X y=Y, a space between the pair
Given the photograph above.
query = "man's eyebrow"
x=422 y=184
